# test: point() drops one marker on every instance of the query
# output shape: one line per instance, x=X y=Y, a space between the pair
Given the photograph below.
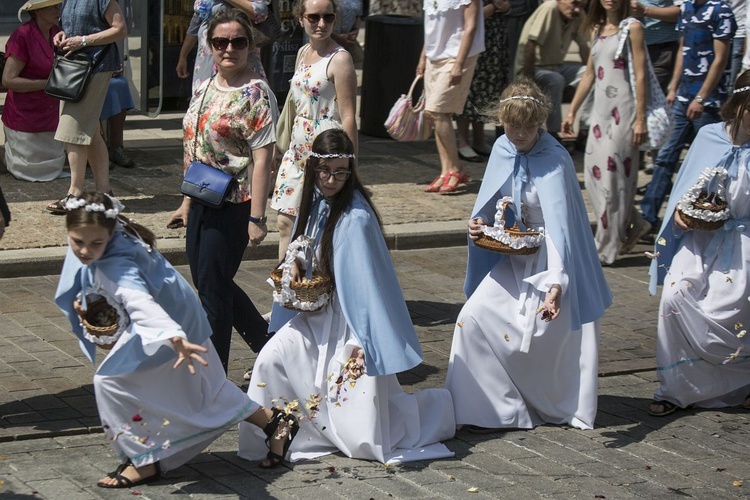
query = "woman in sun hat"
x=30 y=116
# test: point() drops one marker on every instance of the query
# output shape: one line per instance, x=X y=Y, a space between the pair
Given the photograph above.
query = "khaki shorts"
x=79 y=121
x=440 y=96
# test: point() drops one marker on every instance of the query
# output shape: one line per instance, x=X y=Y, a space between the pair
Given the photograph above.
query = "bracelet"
x=257 y=220
x=83 y=41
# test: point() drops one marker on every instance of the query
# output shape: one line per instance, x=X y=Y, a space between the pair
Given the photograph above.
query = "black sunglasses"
x=221 y=43
x=315 y=18
x=339 y=175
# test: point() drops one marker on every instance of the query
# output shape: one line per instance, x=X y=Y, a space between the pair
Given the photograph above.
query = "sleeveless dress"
x=316 y=110
x=611 y=161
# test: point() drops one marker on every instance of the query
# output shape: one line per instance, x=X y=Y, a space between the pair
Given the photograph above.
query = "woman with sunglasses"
x=230 y=126
x=339 y=363
x=324 y=87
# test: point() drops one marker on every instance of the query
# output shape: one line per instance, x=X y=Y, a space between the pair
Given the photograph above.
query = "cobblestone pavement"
x=51 y=445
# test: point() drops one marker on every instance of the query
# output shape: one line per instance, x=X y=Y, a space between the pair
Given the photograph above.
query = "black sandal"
x=667 y=408
x=124 y=482
x=58 y=207
x=271 y=431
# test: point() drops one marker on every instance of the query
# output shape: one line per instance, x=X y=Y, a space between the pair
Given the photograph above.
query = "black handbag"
x=204 y=183
x=70 y=75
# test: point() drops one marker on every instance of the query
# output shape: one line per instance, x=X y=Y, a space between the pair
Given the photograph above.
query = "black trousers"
x=216 y=241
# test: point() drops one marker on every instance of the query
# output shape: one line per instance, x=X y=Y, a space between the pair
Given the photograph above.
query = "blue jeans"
x=666 y=162
x=735 y=62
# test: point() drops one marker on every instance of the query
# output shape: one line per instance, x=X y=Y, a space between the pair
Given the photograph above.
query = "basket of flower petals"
x=101 y=321
x=308 y=293
x=508 y=240
x=702 y=206
x=313 y=290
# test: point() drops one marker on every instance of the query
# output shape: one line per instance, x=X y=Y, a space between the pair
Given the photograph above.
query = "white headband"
x=111 y=213
x=741 y=89
x=524 y=97
x=332 y=155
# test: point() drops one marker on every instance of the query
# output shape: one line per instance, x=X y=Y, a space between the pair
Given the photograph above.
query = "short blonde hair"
x=523 y=104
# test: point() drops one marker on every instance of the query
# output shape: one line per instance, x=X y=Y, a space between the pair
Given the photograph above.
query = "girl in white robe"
x=369 y=417
x=703 y=352
x=156 y=413
x=525 y=344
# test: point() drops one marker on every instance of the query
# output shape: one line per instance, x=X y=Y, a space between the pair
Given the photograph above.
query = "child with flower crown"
x=702 y=351
x=525 y=344
x=337 y=365
x=161 y=391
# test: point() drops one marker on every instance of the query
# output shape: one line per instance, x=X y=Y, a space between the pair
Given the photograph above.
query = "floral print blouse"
x=232 y=123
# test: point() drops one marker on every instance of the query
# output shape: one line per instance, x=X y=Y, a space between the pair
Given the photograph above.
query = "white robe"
x=703 y=308
x=161 y=414
x=510 y=369
x=374 y=420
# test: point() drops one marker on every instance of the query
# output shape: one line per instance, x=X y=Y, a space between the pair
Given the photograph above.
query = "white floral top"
x=233 y=122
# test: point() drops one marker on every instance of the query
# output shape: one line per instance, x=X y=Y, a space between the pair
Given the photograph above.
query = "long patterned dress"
x=611 y=161
x=316 y=110
x=491 y=74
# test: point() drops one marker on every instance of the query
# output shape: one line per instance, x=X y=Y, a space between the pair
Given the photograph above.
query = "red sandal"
x=437 y=184
x=448 y=187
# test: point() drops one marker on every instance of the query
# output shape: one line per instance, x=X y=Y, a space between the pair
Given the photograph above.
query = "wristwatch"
x=699 y=99
x=257 y=220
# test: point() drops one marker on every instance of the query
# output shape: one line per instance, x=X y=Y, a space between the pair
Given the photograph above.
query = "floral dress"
x=611 y=160
x=316 y=111
x=491 y=73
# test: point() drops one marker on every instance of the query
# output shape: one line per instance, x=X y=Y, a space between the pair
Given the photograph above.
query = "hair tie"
x=524 y=97
x=741 y=89
x=332 y=155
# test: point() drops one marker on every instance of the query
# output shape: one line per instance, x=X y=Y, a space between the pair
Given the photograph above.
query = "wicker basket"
x=100 y=311
x=717 y=205
x=306 y=290
x=487 y=243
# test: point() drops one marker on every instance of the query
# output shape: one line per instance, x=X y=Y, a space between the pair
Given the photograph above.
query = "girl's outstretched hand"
x=188 y=352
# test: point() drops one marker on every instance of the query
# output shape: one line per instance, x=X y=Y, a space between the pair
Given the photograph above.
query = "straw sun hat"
x=36 y=5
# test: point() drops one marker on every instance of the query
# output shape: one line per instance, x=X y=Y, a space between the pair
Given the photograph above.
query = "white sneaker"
x=248 y=374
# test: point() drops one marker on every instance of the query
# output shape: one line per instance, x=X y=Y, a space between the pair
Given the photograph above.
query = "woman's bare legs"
x=445 y=139
x=94 y=154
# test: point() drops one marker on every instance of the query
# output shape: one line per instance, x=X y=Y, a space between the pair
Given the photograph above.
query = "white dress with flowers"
x=317 y=110
x=510 y=369
x=702 y=357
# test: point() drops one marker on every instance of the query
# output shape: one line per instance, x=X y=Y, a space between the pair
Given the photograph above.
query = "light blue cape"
x=367 y=289
x=712 y=147
x=550 y=169
x=129 y=264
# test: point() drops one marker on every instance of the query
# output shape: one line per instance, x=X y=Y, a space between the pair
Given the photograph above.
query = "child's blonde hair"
x=97 y=209
x=523 y=104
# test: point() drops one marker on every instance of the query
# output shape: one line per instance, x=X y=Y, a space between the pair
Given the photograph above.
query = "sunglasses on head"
x=221 y=43
x=315 y=18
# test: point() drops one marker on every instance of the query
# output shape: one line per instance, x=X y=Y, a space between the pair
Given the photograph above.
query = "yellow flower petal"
x=473 y=489
x=261 y=384
x=737 y=484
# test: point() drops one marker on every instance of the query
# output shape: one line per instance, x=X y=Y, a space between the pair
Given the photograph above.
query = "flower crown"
x=332 y=155
x=524 y=97
x=109 y=213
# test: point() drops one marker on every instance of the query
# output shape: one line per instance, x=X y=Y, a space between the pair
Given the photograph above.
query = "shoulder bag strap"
x=198 y=119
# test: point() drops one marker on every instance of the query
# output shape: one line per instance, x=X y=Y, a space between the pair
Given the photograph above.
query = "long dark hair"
x=333 y=141
x=596 y=15
x=80 y=217
x=737 y=104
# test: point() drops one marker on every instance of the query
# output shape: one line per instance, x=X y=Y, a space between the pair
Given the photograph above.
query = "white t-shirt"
x=444 y=29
